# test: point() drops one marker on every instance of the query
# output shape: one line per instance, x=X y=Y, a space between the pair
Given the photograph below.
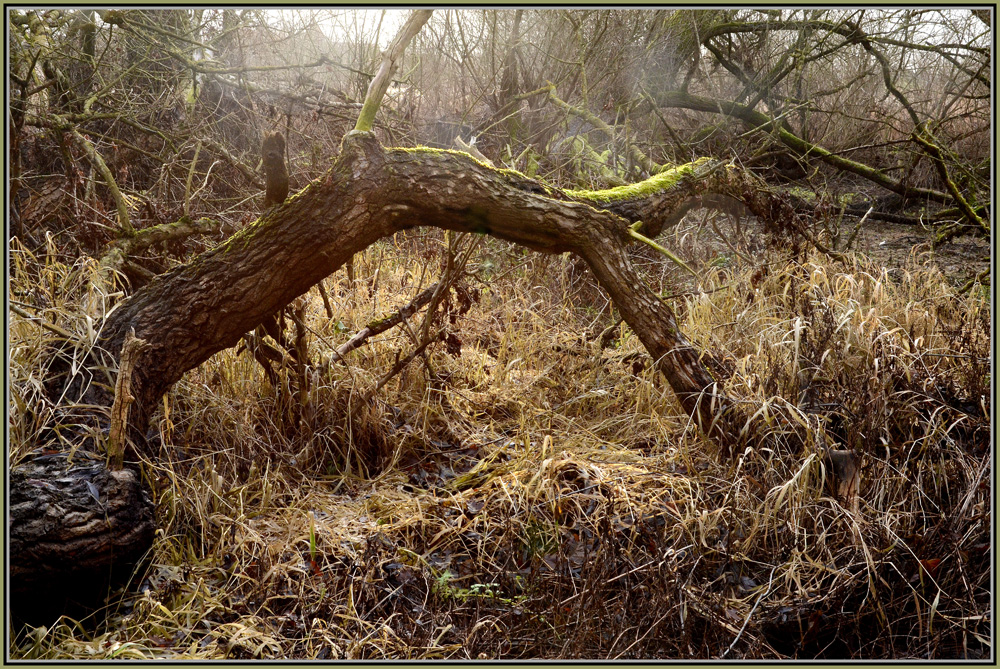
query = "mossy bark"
x=390 y=63
x=193 y=311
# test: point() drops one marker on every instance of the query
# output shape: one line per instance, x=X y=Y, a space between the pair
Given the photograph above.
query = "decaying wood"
x=117 y=437
x=76 y=530
x=845 y=476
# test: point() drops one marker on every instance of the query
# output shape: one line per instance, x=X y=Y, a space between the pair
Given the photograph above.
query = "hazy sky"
x=341 y=24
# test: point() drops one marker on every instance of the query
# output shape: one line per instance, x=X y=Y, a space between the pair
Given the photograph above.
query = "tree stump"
x=77 y=531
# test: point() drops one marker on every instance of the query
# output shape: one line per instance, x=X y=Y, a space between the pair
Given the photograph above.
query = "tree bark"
x=192 y=312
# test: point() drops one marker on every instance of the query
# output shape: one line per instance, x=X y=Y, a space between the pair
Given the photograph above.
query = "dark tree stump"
x=77 y=530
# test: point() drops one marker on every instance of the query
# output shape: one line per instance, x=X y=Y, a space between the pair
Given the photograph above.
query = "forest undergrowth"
x=529 y=487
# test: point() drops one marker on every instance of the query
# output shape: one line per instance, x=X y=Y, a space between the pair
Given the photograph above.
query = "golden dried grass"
x=538 y=496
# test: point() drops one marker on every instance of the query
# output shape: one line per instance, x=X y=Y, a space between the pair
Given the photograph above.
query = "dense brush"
x=532 y=493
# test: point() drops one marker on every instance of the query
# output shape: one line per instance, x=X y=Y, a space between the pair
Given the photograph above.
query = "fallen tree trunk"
x=195 y=310
x=761 y=122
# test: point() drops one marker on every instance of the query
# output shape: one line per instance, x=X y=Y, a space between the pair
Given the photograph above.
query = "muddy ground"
x=959 y=260
x=889 y=244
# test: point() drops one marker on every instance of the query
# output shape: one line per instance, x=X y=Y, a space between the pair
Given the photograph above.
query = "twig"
x=48 y=326
x=326 y=299
x=243 y=169
x=379 y=326
x=725 y=240
x=750 y=615
x=635 y=234
x=400 y=364
x=979 y=278
x=857 y=228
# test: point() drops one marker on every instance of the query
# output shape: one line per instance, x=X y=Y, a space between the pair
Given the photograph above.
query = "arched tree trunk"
x=197 y=309
x=192 y=312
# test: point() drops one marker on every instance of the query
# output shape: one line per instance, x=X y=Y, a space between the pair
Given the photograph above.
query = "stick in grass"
x=117 y=437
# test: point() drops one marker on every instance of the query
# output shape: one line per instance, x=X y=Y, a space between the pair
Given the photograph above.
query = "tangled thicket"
x=537 y=496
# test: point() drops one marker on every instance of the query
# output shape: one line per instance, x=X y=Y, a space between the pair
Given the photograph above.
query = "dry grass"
x=535 y=496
